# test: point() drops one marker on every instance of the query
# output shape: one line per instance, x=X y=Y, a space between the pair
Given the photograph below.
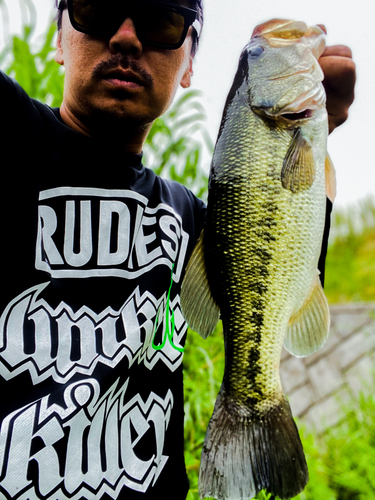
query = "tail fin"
x=242 y=455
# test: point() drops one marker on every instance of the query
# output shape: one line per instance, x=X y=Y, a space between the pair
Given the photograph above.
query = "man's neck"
x=130 y=140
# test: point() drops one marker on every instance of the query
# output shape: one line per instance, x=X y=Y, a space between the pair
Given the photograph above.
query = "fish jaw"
x=306 y=107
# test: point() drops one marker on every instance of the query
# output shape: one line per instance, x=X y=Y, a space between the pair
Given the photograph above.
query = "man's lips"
x=125 y=79
x=122 y=72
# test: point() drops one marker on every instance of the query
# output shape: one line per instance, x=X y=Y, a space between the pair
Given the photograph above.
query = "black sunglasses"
x=159 y=24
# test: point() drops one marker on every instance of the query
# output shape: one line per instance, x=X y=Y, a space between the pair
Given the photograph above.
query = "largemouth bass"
x=256 y=260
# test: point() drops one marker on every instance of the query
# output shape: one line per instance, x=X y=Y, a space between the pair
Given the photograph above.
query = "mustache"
x=125 y=62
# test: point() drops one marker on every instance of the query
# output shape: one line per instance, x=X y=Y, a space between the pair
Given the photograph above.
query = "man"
x=94 y=247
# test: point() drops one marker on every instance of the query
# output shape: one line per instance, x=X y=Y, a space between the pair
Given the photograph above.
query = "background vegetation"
x=350 y=266
x=342 y=463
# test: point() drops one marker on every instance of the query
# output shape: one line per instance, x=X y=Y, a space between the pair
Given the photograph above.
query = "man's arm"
x=339 y=80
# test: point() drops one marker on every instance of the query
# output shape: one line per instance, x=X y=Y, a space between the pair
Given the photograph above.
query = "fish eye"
x=256 y=51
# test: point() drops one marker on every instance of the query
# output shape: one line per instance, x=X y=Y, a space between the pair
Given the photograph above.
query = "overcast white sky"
x=228 y=27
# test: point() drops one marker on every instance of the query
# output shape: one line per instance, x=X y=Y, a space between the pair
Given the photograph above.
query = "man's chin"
x=116 y=120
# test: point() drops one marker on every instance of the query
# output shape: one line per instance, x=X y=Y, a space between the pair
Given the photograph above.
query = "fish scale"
x=255 y=263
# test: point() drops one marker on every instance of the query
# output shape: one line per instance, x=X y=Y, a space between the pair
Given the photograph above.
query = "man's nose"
x=126 y=40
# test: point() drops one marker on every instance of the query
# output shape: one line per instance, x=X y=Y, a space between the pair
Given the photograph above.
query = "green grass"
x=341 y=462
x=203 y=372
x=350 y=265
x=350 y=456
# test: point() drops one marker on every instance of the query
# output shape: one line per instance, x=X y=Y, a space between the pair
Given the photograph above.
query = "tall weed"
x=31 y=64
x=203 y=372
x=350 y=265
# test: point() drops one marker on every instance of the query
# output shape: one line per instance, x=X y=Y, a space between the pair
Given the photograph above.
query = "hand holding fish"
x=339 y=81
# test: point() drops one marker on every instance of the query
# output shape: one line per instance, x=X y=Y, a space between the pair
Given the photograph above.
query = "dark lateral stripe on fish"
x=256 y=286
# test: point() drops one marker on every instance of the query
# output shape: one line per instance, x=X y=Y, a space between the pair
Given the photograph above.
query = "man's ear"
x=59 y=56
x=186 y=79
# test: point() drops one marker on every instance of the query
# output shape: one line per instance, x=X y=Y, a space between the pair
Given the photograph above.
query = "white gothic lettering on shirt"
x=97 y=335
x=104 y=430
x=127 y=223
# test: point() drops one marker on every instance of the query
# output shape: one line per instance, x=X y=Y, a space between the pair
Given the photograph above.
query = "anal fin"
x=198 y=306
x=308 y=328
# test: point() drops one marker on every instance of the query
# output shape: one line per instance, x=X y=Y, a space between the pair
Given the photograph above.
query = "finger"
x=337 y=50
x=339 y=75
x=337 y=112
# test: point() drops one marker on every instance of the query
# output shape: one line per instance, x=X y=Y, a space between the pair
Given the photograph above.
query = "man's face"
x=118 y=81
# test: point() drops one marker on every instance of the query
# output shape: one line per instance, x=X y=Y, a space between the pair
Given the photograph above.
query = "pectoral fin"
x=298 y=172
x=198 y=306
x=308 y=328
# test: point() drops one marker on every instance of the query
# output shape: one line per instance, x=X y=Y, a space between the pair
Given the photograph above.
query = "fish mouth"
x=301 y=115
x=288 y=119
x=305 y=105
x=302 y=109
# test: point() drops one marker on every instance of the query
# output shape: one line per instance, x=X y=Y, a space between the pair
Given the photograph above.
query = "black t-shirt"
x=93 y=249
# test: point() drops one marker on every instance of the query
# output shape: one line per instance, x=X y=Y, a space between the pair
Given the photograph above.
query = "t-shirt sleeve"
x=18 y=113
x=200 y=216
x=11 y=94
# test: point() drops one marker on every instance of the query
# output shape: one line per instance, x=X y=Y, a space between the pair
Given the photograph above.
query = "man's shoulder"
x=6 y=80
x=173 y=190
x=9 y=89
x=18 y=107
